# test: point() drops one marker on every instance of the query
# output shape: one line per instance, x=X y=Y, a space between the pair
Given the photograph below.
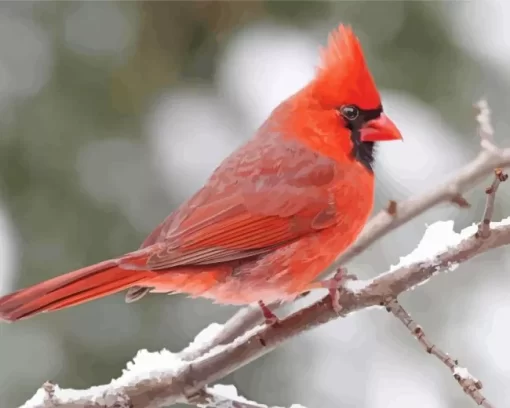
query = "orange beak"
x=381 y=129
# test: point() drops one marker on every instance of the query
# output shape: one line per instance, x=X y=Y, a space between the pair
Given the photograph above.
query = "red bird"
x=272 y=216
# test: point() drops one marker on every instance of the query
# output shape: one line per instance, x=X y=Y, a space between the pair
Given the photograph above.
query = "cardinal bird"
x=272 y=216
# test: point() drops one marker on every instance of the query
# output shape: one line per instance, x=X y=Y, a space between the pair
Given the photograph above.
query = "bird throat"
x=363 y=152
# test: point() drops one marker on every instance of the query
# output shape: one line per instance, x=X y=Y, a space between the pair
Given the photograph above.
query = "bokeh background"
x=113 y=113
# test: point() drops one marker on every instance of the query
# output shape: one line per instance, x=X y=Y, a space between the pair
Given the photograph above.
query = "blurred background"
x=113 y=113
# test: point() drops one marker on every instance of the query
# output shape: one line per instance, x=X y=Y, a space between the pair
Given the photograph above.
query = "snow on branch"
x=160 y=379
x=153 y=379
x=226 y=396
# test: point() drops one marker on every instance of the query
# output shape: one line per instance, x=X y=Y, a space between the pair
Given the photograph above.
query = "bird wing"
x=266 y=195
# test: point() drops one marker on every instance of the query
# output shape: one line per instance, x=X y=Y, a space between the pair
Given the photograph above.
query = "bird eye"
x=349 y=112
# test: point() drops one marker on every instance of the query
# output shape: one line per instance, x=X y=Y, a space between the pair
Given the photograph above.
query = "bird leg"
x=271 y=318
x=334 y=284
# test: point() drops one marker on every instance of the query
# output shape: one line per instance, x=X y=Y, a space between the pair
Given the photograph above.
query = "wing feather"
x=253 y=203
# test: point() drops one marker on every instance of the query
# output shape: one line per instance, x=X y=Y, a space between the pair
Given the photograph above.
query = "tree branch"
x=146 y=386
x=486 y=132
x=469 y=384
x=483 y=228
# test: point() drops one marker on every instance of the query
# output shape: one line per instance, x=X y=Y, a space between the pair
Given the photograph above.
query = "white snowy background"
x=140 y=172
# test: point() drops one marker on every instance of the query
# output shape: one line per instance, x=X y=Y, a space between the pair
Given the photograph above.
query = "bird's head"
x=345 y=92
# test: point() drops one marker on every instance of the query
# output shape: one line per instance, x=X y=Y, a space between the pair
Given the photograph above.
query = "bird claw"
x=335 y=284
x=271 y=318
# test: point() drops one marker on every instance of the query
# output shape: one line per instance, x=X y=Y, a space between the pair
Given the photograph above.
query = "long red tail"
x=68 y=290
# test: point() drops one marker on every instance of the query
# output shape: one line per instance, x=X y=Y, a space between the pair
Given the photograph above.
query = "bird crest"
x=343 y=72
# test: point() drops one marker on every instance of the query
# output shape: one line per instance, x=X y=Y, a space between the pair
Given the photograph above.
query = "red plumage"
x=271 y=217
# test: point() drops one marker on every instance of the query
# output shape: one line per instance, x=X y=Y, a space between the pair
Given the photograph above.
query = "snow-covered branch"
x=163 y=378
x=160 y=379
x=226 y=396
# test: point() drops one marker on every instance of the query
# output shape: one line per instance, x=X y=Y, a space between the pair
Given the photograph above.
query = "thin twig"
x=486 y=133
x=484 y=226
x=469 y=384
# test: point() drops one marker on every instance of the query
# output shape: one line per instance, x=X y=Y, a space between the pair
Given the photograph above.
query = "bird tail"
x=67 y=290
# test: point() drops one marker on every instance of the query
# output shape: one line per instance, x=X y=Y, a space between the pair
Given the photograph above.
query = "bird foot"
x=271 y=318
x=335 y=284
